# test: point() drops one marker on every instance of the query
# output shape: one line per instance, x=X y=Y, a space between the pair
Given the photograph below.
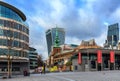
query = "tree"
x=40 y=60
x=69 y=63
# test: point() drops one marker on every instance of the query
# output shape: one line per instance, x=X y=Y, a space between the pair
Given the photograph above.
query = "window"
x=8 y=13
x=1 y=32
x=4 y=42
x=1 y=22
x=16 y=44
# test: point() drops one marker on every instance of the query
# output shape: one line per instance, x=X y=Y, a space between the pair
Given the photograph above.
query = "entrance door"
x=93 y=65
x=106 y=63
x=117 y=62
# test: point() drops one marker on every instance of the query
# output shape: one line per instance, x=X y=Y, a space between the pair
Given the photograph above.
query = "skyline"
x=82 y=19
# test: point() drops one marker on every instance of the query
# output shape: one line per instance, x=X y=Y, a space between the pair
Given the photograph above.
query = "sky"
x=81 y=19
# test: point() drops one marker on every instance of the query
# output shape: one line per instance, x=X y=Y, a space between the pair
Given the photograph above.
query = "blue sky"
x=82 y=19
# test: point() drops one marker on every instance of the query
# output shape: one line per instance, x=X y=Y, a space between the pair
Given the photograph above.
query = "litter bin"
x=25 y=73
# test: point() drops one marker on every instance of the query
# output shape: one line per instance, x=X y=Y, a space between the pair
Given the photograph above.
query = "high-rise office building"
x=51 y=35
x=112 y=35
x=14 y=40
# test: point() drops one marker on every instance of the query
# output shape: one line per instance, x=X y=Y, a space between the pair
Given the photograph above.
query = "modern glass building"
x=113 y=34
x=14 y=39
x=50 y=37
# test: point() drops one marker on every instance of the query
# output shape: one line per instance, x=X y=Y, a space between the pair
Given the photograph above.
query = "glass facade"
x=50 y=37
x=8 y=13
x=14 y=33
x=113 y=34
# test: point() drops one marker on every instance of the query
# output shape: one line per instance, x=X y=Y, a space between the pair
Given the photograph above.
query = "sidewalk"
x=13 y=76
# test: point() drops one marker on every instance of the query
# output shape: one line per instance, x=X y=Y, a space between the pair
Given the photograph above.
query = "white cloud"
x=79 y=23
x=101 y=39
x=73 y=40
x=115 y=16
x=105 y=23
x=83 y=21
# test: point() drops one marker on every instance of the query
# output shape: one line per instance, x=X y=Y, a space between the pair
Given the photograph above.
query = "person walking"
x=44 y=68
x=40 y=70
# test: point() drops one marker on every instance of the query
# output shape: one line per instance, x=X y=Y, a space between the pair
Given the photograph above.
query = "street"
x=71 y=76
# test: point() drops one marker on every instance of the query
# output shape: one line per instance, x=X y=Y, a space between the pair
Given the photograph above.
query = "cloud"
x=73 y=40
x=82 y=19
x=78 y=22
x=105 y=7
x=115 y=17
x=37 y=37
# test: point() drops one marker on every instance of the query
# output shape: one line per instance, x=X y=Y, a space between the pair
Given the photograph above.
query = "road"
x=71 y=76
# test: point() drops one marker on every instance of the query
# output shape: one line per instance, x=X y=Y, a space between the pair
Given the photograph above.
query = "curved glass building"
x=50 y=37
x=14 y=38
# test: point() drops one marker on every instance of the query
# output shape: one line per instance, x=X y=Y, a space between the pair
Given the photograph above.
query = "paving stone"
x=71 y=76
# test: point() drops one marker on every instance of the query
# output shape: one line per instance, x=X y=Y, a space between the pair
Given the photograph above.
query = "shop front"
x=96 y=60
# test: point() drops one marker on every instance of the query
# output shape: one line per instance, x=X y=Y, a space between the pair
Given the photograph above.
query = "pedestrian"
x=40 y=70
x=44 y=68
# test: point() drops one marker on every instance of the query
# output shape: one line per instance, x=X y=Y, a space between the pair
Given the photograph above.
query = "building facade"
x=96 y=59
x=112 y=36
x=14 y=39
x=50 y=37
x=88 y=56
x=61 y=54
x=33 y=58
